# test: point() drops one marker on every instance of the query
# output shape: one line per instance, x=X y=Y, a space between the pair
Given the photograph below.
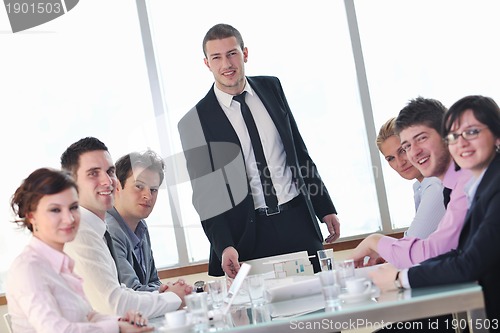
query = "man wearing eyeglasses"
x=418 y=126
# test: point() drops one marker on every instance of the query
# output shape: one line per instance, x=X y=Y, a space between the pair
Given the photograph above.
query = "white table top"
x=386 y=307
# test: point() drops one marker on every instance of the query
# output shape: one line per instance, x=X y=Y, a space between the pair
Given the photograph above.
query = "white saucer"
x=355 y=298
x=180 y=329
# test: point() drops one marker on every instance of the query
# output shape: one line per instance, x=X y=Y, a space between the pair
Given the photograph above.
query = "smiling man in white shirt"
x=90 y=163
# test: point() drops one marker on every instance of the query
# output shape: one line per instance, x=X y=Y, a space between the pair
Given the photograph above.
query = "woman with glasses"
x=472 y=132
x=43 y=293
x=428 y=191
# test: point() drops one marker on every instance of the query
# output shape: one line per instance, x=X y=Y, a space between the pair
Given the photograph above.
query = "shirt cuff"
x=403 y=277
x=111 y=326
x=173 y=300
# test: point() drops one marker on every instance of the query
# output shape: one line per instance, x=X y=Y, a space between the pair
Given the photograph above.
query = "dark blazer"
x=212 y=148
x=477 y=257
x=129 y=268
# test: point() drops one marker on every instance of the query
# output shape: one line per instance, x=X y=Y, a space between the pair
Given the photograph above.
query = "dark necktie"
x=446 y=196
x=260 y=159
x=109 y=243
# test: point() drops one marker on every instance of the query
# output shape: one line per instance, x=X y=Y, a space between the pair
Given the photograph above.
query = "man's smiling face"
x=426 y=150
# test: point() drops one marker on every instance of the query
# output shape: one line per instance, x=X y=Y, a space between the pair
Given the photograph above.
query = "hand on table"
x=132 y=322
x=179 y=287
x=384 y=277
x=163 y=288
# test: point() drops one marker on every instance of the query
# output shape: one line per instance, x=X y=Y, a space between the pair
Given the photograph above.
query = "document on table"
x=293 y=308
x=292 y=287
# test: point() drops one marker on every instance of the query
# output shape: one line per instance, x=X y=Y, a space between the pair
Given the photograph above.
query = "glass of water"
x=345 y=271
x=330 y=289
x=197 y=306
x=217 y=291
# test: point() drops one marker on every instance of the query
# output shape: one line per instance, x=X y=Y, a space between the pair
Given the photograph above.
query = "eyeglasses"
x=468 y=135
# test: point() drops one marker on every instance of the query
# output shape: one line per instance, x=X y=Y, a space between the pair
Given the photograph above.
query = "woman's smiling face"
x=475 y=153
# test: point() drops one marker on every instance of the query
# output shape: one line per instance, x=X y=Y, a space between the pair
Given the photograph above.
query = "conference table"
x=465 y=301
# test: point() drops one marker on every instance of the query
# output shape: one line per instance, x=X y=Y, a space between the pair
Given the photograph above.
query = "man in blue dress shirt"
x=140 y=176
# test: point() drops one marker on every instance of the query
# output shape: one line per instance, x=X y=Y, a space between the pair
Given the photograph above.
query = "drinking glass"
x=330 y=289
x=256 y=289
x=197 y=306
x=176 y=319
x=345 y=271
x=260 y=313
x=217 y=291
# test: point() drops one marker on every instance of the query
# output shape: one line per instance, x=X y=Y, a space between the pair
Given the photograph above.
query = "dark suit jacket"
x=129 y=268
x=212 y=149
x=477 y=257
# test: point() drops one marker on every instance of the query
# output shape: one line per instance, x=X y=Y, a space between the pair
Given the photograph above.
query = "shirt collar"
x=451 y=176
x=416 y=185
x=426 y=182
x=226 y=99
x=136 y=235
x=93 y=221
x=59 y=261
x=141 y=229
x=471 y=187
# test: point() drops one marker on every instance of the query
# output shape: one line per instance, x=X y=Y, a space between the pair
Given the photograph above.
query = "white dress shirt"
x=429 y=207
x=94 y=263
x=45 y=296
x=274 y=151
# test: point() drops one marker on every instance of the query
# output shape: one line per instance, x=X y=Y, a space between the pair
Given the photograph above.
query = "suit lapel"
x=135 y=262
x=486 y=182
x=218 y=128
x=277 y=112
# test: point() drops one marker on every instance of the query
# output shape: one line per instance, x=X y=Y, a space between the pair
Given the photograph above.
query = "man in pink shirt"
x=418 y=126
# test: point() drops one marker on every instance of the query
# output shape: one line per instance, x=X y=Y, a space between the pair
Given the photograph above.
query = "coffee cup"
x=358 y=286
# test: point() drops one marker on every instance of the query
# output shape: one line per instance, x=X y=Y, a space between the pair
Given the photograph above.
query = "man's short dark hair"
x=221 y=31
x=148 y=160
x=421 y=111
x=70 y=159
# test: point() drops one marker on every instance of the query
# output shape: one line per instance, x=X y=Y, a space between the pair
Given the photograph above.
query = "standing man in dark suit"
x=251 y=205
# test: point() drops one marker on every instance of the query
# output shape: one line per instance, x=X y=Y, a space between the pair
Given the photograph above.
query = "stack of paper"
x=292 y=287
